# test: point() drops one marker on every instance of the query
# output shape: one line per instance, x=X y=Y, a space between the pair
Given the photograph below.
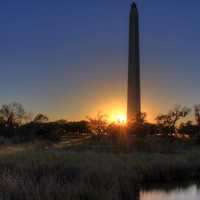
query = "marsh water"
x=186 y=192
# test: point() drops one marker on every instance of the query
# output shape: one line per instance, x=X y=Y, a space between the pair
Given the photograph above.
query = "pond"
x=188 y=192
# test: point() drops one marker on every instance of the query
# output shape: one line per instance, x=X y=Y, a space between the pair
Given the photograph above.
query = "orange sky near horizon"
x=113 y=108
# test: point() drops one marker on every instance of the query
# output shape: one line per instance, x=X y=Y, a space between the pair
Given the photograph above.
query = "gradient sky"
x=68 y=58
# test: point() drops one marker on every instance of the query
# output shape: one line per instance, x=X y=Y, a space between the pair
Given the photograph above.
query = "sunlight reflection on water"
x=191 y=193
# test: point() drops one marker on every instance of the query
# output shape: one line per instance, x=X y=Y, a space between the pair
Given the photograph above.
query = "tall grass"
x=89 y=175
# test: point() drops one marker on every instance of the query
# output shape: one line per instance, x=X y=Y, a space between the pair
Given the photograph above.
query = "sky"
x=69 y=59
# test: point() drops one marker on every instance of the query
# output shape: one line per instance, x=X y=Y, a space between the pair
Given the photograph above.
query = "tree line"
x=15 y=121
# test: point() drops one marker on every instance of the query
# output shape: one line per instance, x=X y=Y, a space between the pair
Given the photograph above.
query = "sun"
x=121 y=119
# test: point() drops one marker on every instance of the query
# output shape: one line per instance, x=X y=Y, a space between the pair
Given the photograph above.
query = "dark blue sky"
x=69 y=58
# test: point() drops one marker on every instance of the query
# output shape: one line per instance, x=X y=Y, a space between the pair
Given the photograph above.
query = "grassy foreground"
x=59 y=175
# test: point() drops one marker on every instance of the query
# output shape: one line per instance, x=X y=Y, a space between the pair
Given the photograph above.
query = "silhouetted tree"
x=13 y=114
x=139 y=118
x=188 y=128
x=167 y=122
x=98 y=124
x=40 y=118
x=138 y=124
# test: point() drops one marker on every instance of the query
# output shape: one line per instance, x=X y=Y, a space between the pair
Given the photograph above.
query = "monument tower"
x=134 y=99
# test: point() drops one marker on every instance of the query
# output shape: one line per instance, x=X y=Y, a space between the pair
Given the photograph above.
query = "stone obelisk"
x=134 y=99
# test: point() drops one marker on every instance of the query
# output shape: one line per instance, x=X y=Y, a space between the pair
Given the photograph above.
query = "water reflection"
x=185 y=193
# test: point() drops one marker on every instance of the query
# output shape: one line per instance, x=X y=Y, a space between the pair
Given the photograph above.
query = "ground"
x=80 y=168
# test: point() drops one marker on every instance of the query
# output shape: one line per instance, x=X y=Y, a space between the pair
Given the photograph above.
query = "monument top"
x=134 y=5
x=134 y=8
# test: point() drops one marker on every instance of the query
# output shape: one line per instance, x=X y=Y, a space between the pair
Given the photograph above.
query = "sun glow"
x=114 y=109
x=121 y=119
